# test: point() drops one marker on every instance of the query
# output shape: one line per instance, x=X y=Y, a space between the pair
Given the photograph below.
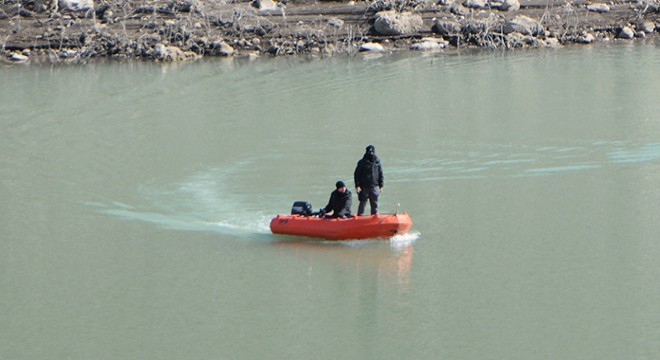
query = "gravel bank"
x=75 y=31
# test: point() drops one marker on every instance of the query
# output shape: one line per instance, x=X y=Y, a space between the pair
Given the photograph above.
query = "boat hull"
x=356 y=227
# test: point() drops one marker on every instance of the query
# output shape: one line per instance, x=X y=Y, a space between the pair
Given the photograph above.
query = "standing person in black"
x=369 y=180
x=339 y=203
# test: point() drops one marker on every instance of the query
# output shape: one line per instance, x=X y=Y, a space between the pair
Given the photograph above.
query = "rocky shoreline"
x=77 y=31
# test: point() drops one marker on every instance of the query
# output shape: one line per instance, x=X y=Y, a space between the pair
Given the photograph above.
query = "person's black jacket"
x=339 y=204
x=369 y=173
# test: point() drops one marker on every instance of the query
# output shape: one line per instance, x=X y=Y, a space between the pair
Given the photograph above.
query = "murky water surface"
x=135 y=200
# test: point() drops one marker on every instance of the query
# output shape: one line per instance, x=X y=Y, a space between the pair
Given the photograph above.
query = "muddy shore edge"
x=77 y=31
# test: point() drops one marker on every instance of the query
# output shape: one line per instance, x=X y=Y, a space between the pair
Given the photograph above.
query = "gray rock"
x=586 y=38
x=26 y=13
x=509 y=5
x=372 y=47
x=395 y=23
x=107 y=15
x=626 y=33
x=478 y=26
x=275 y=50
x=187 y=5
x=18 y=58
x=446 y=27
x=429 y=44
x=265 y=5
x=76 y=5
x=524 y=25
x=518 y=40
x=552 y=42
x=67 y=54
x=172 y=53
x=646 y=26
x=222 y=48
x=458 y=9
x=598 y=7
x=475 y=4
x=335 y=22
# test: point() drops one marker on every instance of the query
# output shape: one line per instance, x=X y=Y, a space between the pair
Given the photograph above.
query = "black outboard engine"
x=302 y=208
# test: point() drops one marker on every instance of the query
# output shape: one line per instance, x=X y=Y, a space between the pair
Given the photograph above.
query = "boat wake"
x=255 y=226
x=205 y=202
x=484 y=161
x=219 y=200
x=183 y=222
x=405 y=239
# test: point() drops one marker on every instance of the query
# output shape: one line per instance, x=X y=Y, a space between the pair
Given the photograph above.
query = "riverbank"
x=80 y=30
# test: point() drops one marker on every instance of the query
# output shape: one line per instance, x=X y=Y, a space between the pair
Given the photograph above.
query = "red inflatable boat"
x=356 y=227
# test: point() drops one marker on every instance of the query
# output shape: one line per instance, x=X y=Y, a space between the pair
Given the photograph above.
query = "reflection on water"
x=390 y=259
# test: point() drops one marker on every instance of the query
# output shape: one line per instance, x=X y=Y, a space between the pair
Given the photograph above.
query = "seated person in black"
x=339 y=203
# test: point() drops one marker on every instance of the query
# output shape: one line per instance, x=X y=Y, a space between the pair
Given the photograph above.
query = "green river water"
x=135 y=200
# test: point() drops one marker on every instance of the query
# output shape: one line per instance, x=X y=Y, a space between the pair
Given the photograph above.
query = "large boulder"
x=395 y=23
x=523 y=25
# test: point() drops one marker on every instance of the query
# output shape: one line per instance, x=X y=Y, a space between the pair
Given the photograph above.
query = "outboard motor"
x=302 y=208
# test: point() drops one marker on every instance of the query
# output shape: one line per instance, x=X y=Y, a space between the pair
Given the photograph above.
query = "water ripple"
x=644 y=153
x=479 y=161
x=206 y=201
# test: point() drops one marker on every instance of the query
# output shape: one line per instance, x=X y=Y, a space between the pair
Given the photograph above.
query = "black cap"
x=371 y=148
x=340 y=184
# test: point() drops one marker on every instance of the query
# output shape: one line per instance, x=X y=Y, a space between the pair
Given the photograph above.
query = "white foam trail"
x=402 y=241
x=207 y=201
x=405 y=238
